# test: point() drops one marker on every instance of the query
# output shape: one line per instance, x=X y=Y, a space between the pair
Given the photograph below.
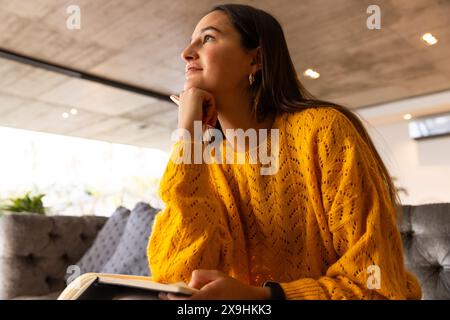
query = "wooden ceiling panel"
x=168 y=118
x=147 y=112
x=25 y=80
x=39 y=116
x=9 y=103
x=418 y=16
x=160 y=139
x=126 y=132
x=95 y=97
x=139 y=42
x=101 y=128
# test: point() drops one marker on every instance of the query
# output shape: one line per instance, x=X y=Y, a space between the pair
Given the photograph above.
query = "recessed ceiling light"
x=74 y=111
x=429 y=38
x=311 y=73
x=65 y=115
x=407 y=116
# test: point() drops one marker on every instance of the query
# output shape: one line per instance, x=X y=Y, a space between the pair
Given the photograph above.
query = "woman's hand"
x=215 y=285
x=195 y=105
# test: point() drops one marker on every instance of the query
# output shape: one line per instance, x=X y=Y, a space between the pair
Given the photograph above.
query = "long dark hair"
x=277 y=86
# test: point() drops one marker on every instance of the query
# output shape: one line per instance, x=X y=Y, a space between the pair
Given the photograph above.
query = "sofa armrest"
x=35 y=251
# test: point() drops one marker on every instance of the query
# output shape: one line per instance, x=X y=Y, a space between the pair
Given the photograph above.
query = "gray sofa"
x=425 y=231
x=36 y=250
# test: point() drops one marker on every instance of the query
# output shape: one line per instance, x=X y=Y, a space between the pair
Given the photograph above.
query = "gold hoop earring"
x=251 y=79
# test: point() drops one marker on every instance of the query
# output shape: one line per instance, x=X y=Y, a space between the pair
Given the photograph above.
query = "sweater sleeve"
x=361 y=221
x=191 y=232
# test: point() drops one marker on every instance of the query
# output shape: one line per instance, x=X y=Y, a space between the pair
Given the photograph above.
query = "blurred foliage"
x=26 y=203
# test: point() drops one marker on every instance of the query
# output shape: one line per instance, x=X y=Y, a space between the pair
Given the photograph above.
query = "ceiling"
x=139 y=42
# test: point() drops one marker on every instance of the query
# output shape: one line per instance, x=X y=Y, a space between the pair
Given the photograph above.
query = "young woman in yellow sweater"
x=321 y=226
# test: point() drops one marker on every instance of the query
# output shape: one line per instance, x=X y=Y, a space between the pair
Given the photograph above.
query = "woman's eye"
x=204 y=39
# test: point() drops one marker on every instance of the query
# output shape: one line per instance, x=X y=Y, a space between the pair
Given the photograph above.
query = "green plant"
x=26 y=203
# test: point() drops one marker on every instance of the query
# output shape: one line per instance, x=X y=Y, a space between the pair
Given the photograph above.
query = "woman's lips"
x=193 y=70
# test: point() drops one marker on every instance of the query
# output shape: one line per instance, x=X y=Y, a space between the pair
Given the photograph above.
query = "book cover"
x=98 y=286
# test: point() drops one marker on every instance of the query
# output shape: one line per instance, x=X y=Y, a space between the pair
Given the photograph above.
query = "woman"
x=322 y=227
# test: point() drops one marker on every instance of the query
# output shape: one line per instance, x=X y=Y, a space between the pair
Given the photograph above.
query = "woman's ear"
x=256 y=61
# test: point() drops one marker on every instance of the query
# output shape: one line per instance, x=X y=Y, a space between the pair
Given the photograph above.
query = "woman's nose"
x=188 y=53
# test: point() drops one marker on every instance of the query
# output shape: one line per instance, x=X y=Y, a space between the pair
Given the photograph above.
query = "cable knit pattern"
x=316 y=226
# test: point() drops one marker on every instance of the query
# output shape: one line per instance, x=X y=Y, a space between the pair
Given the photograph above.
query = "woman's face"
x=215 y=48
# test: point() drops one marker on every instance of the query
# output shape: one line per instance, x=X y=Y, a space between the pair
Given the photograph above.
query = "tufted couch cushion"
x=35 y=251
x=130 y=256
x=425 y=233
x=105 y=243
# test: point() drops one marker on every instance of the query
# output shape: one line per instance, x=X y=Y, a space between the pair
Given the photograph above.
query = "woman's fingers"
x=210 y=111
x=187 y=98
x=201 y=277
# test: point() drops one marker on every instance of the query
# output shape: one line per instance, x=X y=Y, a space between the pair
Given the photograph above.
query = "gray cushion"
x=130 y=256
x=35 y=251
x=106 y=242
x=425 y=233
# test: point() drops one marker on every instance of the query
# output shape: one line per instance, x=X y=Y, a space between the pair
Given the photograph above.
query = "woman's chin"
x=193 y=83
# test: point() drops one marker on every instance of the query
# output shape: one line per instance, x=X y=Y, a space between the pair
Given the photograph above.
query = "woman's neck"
x=235 y=113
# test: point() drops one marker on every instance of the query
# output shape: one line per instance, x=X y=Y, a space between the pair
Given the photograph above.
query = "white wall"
x=421 y=166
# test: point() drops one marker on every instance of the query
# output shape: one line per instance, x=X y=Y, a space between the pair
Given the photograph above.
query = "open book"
x=102 y=286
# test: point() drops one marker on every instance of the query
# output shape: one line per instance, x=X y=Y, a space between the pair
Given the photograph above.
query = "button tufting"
x=53 y=236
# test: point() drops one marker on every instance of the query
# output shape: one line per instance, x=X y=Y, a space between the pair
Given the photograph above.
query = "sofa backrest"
x=35 y=251
x=425 y=231
x=35 y=263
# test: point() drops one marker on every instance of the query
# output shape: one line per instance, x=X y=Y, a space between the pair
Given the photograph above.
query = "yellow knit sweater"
x=318 y=226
